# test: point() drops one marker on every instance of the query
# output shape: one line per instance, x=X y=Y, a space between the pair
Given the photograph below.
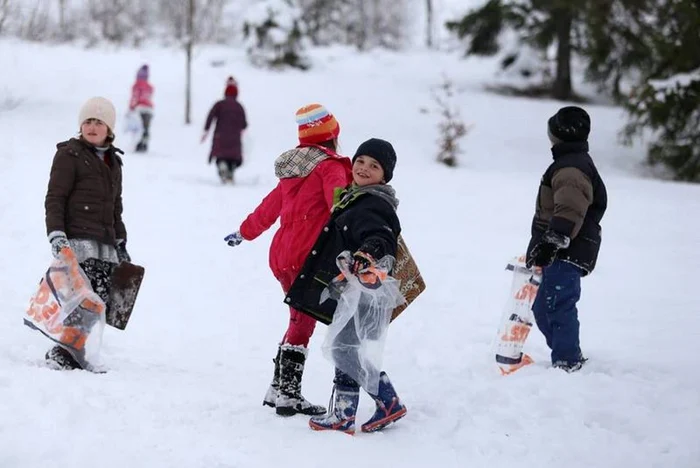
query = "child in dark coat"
x=363 y=221
x=566 y=234
x=230 y=118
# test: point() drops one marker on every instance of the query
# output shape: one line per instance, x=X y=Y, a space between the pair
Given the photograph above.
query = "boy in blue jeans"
x=566 y=234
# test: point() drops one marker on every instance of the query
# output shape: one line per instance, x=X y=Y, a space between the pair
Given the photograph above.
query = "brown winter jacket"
x=571 y=201
x=84 y=198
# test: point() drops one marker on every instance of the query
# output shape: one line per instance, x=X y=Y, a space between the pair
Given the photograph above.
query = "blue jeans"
x=555 y=310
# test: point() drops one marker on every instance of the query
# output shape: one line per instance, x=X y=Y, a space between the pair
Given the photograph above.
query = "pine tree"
x=538 y=23
x=614 y=42
x=666 y=99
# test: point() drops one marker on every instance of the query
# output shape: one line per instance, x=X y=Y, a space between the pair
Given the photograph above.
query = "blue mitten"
x=234 y=239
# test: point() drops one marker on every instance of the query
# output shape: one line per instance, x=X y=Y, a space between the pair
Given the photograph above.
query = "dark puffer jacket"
x=571 y=201
x=368 y=223
x=84 y=197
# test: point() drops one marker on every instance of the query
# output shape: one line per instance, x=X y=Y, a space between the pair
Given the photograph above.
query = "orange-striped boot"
x=389 y=407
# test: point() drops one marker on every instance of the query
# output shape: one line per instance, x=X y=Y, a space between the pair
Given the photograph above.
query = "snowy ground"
x=187 y=377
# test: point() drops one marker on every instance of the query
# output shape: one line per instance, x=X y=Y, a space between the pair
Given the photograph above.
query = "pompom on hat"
x=231 y=87
x=98 y=108
x=316 y=124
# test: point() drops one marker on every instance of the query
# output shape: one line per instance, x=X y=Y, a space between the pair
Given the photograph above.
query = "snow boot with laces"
x=341 y=415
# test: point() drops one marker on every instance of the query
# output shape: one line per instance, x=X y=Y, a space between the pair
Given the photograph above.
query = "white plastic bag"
x=69 y=312
x=355 y=339
x=517 y=318
x=133 y=123
x=133 y=126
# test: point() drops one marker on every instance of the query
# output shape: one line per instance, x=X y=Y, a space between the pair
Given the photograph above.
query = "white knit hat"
x=98 y=108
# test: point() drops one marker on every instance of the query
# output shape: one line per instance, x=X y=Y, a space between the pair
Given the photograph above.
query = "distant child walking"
x=226 y=148
x=142 y=103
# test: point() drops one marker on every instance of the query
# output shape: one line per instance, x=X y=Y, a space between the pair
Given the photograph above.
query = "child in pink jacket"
x=141 y=103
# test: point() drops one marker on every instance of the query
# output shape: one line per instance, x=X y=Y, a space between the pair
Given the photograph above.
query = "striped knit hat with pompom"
x=316 y=124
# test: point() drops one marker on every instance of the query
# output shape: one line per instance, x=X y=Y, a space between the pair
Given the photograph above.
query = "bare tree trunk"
x=563 y=18
x=188 y=46
x=362 y=32
x=62 y=15
x=4 y=12
x=429 y=24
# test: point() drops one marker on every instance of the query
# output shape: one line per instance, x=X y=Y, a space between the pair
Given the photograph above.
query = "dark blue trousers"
x=555 y=310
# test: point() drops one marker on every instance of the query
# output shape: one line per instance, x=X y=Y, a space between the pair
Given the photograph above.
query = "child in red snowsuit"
x=302 y=200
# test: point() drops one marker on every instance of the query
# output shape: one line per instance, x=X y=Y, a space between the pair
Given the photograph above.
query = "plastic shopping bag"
x=356 y=337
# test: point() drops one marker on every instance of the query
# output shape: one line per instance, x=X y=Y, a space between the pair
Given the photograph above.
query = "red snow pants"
x=301 y=326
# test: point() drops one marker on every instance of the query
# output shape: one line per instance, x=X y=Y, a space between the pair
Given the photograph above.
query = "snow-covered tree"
x=275 y=36
x=360 y=23
x=671 y=108
x=652 y=49
x=537 y=25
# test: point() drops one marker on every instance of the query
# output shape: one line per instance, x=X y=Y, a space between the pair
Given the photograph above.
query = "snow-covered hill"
x=187 y=377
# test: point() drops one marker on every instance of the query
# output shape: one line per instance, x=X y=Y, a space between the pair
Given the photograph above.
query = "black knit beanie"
x=570 y=124
x=382 y=151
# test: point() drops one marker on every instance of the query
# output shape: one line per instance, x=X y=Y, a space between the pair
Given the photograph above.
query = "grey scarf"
x=383 y=191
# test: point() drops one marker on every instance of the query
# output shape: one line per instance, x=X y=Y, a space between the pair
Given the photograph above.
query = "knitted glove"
x=545 y=252
x=122 y=254
x=58 y=241
x=234 y=239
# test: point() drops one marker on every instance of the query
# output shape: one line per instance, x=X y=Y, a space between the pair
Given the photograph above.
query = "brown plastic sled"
x=124 y=287
x=406 y=271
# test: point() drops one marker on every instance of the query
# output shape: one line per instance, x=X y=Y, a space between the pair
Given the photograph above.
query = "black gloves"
x=361 y=261
x=545 y=252
x=122 y=254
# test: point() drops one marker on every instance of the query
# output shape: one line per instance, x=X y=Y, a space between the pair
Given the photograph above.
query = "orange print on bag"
x=527 y=292
x=518 y=333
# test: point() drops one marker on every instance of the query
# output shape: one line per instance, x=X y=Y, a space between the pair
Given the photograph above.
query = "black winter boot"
x=271 y=395
x=60 y=359
x=289 y=399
